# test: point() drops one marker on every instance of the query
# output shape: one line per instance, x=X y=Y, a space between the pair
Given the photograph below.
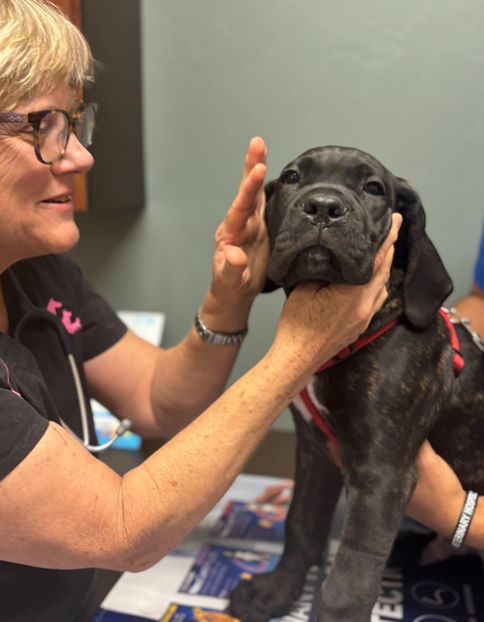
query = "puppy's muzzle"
x=322 y=209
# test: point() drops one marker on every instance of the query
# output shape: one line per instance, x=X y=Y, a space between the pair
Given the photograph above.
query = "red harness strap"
x=454 y=342
x=357 y=345
x=317 y=414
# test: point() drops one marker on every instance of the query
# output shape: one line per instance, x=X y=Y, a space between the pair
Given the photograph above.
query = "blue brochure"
x=103 y=615
x=218 y=569
x=253 y=521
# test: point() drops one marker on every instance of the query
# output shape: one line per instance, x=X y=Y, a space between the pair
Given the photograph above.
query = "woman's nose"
x=76 y=158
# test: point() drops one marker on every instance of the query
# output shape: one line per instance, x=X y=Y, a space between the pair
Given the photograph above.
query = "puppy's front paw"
x=265 y=596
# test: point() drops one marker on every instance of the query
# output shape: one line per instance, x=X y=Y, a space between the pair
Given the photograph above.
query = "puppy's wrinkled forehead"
x=337 y=165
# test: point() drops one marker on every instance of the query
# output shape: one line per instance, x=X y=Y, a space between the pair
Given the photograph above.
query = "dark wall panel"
x=112 y=28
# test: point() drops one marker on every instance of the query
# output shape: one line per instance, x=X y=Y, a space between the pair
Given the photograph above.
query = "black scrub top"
x=36 y=385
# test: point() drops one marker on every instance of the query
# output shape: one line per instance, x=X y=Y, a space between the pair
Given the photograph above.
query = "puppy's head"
x=329 y=212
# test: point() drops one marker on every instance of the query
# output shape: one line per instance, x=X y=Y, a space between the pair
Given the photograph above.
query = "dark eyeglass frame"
x=35 y=119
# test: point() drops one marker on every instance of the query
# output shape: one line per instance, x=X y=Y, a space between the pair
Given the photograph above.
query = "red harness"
x=307 y=402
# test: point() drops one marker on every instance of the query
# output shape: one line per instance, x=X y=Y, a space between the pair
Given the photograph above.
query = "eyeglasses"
x=52 y=129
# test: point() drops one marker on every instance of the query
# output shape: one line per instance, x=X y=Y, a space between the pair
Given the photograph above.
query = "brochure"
x=194 y=583
x=113 y=616
x=301 y=612
x=253 y=521
x=217 y=570
x=185 y=613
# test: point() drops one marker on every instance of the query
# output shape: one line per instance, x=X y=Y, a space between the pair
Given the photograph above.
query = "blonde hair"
x=40 y=49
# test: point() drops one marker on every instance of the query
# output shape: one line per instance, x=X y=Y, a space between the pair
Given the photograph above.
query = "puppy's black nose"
x=323 y=208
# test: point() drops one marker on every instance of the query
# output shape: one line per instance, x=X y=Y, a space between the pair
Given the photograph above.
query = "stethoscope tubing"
x=65 y=341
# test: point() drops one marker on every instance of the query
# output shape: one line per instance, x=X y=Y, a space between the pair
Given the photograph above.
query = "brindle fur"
x=383 y=401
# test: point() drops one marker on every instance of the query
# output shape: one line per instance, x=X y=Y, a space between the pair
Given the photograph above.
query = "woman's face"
x=36 y=208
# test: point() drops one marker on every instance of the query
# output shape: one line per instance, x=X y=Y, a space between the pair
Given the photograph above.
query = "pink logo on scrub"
x=72 y=326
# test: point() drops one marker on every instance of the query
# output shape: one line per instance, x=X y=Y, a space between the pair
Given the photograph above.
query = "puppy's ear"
x=426 y=282
x=269 y=189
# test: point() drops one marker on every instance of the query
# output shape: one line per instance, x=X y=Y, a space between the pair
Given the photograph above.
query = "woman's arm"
x=62 y=508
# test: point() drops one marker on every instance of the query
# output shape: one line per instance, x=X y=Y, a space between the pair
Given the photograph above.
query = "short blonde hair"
x=40 y=49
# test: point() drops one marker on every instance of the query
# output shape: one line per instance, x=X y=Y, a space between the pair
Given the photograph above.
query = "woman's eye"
x=27 y=133
x=25 y=129
x=375 y=188
x=289 y=177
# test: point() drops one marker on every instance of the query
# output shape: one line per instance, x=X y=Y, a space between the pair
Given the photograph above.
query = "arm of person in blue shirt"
x=439 y=497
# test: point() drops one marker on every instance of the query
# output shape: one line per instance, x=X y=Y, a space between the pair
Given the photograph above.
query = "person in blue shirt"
x=479 y=269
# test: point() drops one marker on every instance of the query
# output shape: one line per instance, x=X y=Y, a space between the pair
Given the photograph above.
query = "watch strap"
x=219 y=339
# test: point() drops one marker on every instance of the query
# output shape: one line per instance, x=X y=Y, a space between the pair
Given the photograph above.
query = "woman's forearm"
x=187 y=379
x=183 y=480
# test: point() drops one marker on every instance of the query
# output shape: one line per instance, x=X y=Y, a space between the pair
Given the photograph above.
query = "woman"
x=62 y=512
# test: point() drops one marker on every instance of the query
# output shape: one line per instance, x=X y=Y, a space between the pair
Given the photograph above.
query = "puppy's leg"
x=373 y=518
x=316 y=492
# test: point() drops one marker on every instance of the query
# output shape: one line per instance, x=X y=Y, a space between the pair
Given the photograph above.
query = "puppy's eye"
x=375 y=188
x=289 y=177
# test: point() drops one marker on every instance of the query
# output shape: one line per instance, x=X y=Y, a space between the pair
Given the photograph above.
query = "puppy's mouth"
x=319 y=263
x=315 y=263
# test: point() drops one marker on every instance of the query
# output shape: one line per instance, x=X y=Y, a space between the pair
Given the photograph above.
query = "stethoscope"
x=41 y=315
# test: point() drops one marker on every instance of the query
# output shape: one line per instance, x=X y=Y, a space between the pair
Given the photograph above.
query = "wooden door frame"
x=72 y=9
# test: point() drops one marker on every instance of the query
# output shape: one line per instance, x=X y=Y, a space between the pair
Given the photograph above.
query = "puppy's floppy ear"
x=426 y=282
x=269 y=189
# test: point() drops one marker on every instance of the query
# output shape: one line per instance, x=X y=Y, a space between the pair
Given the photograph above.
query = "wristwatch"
x=218 y=339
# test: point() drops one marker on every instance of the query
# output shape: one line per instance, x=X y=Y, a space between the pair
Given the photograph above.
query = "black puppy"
x=327 y=215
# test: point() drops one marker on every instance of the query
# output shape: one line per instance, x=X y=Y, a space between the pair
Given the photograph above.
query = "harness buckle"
x=455 y=318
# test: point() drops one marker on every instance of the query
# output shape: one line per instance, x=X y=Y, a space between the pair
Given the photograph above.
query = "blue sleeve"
x=479 y=267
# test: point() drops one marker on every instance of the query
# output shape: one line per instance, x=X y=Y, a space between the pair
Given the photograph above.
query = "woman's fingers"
x=245 y=204
x=277 y=495
x=257 y=152
x=390 y=240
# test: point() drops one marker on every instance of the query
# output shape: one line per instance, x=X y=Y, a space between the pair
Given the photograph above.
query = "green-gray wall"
x=401 y=80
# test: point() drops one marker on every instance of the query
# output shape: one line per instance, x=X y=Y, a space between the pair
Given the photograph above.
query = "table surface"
x=272 y=458
x=283 y=445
